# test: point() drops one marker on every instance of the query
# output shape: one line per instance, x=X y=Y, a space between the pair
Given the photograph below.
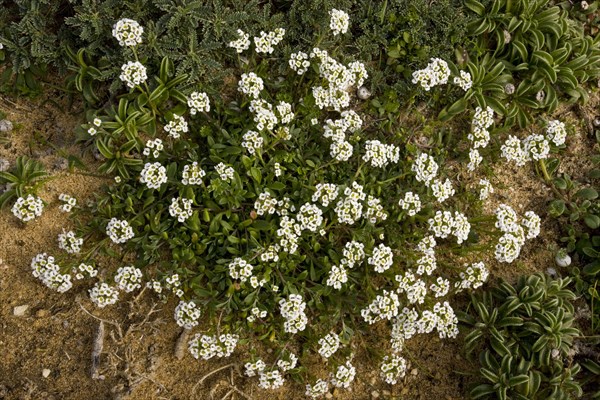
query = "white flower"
x=240 y=269
x=425 y=168
x=508 y=248
x=84 y=269
x=69 y=201
x=532 y=223
x=393 y=368
x=329 y=344
x=325 y=193
x=473 y=277
x=486 y=189
x=119 y=231
x=474 y=159
x=252 y=141
x=354 y=253
x=180 y=208
x=225 y=172
x=380 y=154
x=103 y=295
x=382 y=258
x=251 y=84
x=460 y=227
x=344 y=375
x=384 y=306
x=28 y=208
x=207 y=347
x=293 y=311
x=464 y=81
x=68 y=242
x=44 y=268
x=242 y=43
x=436 y=73
x=128 y=32
x=337 y=276
x=252 y=369
x=97 y=122
x=556 y=132
x=441 y=224
x=536 y=147
x=187 y=314
x=153 y=147
x=198 y=102
x=442 y=191
x=411 y=203
x=341 y=151
x=133 y=73
x=310 y=217
x=176 y=126
x=192 y=174
x=153 y=175
x=266 y=41
x=506 y=218
x=299 y=62
x=288 y=363
x=92 y=131
x=270 y=380
x=129 y=278
x=339 y=21
x=512 y=151
x=318 y=389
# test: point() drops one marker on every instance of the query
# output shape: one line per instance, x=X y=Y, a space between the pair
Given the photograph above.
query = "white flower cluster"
x=129 y=278
x=375 y=212
x=288 y=362
x=225 y=172
x=349 y=209
x=510 y=244
x=425 y=168
x=97 y=122
x=414 y=288
x=252 y=141
x=278 y=169
x=404 y=327
x=329 y=344
x=427 y=245
x=102 y=295
x=286 y=115
x=193 y=174
x=392 y=369
x=119 y=231
x=380 y=154
x=384 y=306
x=251 y=84
x=180 y=208
x=153 y=175
x=256 y=313
x=292 y=310
x=288 y=233
x=341 y=150
x=427 y=263
x=318 y=389
x=299 y=62
x=128 y=32
x=266 y=41
x=240 y=269
x=382 y=258
x=28 y=208
x=265 y=117
x=339 y=78
x=207 y=347
x=337 y=276
x=187 y=314
x=242 y=43
x=473 y=277
x=339 y=21
x=534 y=147
x=436 y=73
x=255 y=368
x=447 y=322
x=133 y=73
x=325 y=193
x=354 y=253
x=70 y=243
x=271 y=254
x=444 y=224
x=84 y=269
x=474 y=160
x=44 y=268
x=556 y=132
x=411 y=203
x=442 y=191
x=310 y=217
x=344 y=375
x=465 y=81
x=486 y=189
x=177 y=126
x=198 y=102
x=270 y=380
x=441 y=287
x=265 y=204
x=69 y=202
x=482 y=120
x=153 y=147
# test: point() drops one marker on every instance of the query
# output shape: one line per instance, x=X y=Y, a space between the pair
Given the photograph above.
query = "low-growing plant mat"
x=46 y=353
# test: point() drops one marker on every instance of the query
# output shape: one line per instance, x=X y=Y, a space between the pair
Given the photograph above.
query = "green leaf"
x=262 y=225
x=256 y=175
x=587 y=193
x=592 y=221
x=475 y=6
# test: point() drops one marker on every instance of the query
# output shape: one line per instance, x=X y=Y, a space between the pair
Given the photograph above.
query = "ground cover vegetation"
x=299 y=173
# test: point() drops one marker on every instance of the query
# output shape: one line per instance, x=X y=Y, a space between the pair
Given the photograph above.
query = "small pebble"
x=4 y=165
x=6 y=126
x=19 y=311
x=414 y=372
x=386 y=393
x=374 y=394
x=329 y=396
x=42 y=313
x=46 y=372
